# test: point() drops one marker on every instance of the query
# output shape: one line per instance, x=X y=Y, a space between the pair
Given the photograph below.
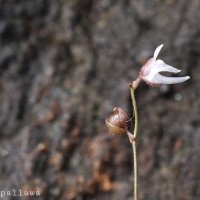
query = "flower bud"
x=118 y=122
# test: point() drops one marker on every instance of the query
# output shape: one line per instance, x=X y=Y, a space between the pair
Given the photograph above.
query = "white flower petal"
x=150 y=71
x=156 y=52
x=154 y=67
x=160 y=79
x=160 y=66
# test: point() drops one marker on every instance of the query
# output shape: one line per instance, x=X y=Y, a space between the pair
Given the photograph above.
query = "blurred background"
x=64 y=65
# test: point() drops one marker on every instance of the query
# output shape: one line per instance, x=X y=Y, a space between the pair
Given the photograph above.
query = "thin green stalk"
x=134 y=145
x=135 y=166
x=134 y=112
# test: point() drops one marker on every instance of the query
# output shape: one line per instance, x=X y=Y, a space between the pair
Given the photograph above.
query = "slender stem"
x=135 y=166
x=134 y=145
x=135 y=112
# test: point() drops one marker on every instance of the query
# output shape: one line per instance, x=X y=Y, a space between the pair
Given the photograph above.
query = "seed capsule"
x=118 y=122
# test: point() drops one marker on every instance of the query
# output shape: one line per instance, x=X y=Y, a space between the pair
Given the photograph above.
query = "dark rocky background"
x=64 y=65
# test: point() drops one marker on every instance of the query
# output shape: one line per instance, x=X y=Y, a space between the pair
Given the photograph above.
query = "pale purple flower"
x=150 y=72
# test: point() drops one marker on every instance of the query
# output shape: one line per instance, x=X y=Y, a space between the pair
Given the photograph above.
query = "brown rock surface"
x=64 y=65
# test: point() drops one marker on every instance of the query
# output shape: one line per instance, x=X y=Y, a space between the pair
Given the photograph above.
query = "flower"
x=150 y=72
